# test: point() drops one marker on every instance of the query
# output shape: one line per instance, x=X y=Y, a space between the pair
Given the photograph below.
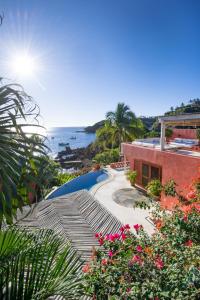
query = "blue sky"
x=92 y=54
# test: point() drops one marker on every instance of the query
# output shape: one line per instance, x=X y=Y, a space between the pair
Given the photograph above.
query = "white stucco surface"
x=103 y=193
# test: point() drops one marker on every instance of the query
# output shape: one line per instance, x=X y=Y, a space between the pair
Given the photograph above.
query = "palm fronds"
x=37 y=265
x=125 y=126
x=17 y=148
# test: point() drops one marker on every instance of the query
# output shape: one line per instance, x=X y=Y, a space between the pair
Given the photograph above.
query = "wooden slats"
x=76 y=217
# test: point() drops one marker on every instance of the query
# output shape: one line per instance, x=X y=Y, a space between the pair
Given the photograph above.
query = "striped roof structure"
x=76 y=217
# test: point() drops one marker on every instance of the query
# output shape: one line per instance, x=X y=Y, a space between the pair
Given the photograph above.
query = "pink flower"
x=116 y=235
x=191 y=195
x=122 y=229
x=159 y=263
x=189 y=243
x=101 y=241
x=111 y=237
x=104 y=262
x=137 y=259
x=107 y=237
x=96 y=235
x=127 y=226
x=86 y=268
x=128 y=290
x=137 y=227
x=139 y=248
x=123 y=236
x=110 y=253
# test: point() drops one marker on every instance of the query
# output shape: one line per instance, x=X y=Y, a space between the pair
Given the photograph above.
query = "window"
x=149 y=173
x=155 y=173
x=145 y=174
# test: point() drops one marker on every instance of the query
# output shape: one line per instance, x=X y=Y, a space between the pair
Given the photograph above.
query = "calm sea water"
x=58 y=135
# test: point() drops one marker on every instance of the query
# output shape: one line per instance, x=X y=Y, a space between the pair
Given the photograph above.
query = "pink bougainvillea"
x=130 y=259
x=159 y=263
x=139 y=248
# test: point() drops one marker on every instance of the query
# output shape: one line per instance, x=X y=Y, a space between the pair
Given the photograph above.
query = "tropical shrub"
x=107 y=157
x=131 y=176
x=37 y=265
x=154 y=188
x=18 y=149
x=137 y=266
x=170 y=188
x=63 y=178
x=168 y=133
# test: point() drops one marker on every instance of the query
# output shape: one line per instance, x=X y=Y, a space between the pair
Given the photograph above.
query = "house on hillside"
x=157 y=158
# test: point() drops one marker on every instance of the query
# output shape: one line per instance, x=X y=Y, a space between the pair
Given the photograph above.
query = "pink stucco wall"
x=181 y=168
x=184 y=133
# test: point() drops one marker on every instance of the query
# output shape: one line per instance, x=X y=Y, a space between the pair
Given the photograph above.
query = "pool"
x=86 y=181
x=150 y=142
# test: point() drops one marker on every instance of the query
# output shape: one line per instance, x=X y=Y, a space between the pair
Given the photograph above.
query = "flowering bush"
x=134 y=265
x=154 y=188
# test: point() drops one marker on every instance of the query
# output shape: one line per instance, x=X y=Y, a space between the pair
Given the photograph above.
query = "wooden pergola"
x=179 y=120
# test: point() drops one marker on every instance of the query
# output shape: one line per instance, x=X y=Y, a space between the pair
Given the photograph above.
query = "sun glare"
x=23 y=65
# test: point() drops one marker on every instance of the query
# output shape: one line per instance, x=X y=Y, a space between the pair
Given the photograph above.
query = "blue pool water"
x=85 y=181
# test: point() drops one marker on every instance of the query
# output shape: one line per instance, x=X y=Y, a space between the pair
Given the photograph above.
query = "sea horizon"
x=74 y=136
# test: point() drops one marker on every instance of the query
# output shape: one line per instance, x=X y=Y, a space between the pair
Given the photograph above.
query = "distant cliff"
x=93 y=128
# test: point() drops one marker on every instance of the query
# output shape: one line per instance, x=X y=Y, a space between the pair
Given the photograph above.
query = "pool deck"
x=103 y=193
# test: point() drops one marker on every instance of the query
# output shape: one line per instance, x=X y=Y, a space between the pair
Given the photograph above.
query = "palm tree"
x=37 y=265
x=17 y=148
x=124 y=124
x=104 y=136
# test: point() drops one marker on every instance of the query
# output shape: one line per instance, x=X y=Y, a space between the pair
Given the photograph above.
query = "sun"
x=23 y=64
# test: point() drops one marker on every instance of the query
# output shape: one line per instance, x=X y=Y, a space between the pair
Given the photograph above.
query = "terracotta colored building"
x=179 y=159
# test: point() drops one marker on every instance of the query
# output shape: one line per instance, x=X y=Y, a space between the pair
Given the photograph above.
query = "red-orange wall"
x=184 y=133
x=181 y=168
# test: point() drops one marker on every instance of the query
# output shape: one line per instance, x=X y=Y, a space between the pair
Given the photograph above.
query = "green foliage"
x=154 y=188
x=104 y=136
x=63 y=178
x=198 y=133
x=152 y=134
x=192 y=107
x=37 y=265
x=17 y=149
x=138 y=266
x=168 y=132
x=169 y=188
x=124 y=124
x=131 y=176
x=107 y=157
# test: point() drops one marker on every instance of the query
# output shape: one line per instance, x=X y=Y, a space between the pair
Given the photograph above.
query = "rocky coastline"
x=79 y=158
x=76 y=158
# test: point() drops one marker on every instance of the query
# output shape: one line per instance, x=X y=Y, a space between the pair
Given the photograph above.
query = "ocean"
x=75 y=136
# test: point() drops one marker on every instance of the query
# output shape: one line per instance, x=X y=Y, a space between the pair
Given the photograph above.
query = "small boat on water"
x=73 y=138
x=63 y=144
